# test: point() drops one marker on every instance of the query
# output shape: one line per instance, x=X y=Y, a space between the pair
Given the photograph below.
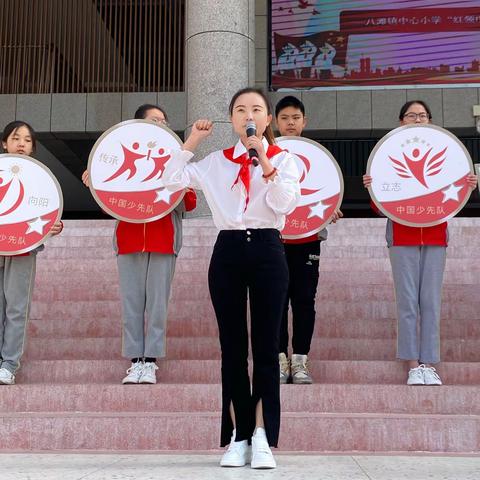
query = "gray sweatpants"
x=145 y=281
x=17 y=277
x=417 y=276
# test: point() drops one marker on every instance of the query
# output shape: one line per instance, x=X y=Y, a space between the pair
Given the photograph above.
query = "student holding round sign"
x=321 y=187
x=419 y=177
x=30 y=211
x=127 y=163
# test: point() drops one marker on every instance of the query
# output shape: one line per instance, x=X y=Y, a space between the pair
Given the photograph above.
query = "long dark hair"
x=268 y=133
x=407 y=105
x=14 y=126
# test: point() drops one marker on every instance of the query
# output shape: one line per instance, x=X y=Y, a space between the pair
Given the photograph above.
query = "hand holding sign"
x=125 y=170
x=31 y=204
x=321 y=188
x=419 y=175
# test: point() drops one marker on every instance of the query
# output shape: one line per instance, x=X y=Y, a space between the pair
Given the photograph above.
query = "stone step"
x=109 y=265
x=187 y=270
x=112 y=327
x=69 y=396
x=193 y=309
x=112 y=308
x=309 y=431
x=380 y=251
x=207 y=348
x=463 y=231
x=93 y=248
x=347 y=244
x=164 y=397
x=346 y=279
x=194 y=286
x=61 y=327
x=73 y=230
x=79 y=242
x=369 y=240
x=187 y=287
x=73 y=255
x=208 y=371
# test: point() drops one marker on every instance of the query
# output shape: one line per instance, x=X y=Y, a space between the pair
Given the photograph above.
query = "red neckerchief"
x=245 y=162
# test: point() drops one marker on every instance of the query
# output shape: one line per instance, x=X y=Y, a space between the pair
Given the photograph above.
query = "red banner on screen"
x=410 y=20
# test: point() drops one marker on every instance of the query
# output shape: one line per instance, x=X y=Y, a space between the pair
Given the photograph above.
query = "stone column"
x=220 y=59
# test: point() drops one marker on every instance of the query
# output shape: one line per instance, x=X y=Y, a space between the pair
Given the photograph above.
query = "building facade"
x=74 y=69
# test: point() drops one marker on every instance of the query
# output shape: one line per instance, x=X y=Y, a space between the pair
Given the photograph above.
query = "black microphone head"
x=251 y=129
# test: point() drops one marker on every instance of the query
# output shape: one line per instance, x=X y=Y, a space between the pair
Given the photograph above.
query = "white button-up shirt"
x=269 y=202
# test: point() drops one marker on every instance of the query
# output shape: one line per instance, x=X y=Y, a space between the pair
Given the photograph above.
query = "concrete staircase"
x=69 y=397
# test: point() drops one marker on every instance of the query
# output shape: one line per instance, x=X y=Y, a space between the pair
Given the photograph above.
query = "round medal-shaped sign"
x=126 y=166
x=419 y=175
x=321 y=187
x=30 y=203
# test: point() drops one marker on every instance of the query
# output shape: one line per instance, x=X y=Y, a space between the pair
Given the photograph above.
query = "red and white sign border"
x=400 y=220
x=340 y=175
x=97 y=144
x=60 y=203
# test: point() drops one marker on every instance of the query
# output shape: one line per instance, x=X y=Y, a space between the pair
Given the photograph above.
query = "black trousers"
x=303 y=260
x=249 y=262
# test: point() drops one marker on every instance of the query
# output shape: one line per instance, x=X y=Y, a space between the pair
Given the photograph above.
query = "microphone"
x=252 y=153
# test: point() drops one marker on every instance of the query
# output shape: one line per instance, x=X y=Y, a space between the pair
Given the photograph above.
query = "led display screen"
x=363 y=44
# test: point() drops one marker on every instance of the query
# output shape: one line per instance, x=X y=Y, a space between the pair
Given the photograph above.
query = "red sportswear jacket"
x=155 y=237
x=404 y=236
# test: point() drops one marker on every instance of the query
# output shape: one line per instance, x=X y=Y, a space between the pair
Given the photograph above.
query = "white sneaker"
x=299 y=369
x=134 y=373
x=237 y=454
x=415 y=376
x=262 y=456
x=148 y=373
x=284 y=368
x=431 y=376
x=6 y=377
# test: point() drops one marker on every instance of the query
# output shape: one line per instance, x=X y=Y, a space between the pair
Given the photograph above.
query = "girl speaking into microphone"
x=248 y=205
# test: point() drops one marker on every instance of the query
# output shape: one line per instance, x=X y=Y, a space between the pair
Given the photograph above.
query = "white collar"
x=240 y=149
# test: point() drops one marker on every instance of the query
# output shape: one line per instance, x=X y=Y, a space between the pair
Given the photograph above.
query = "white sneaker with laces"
x=134 y=373
x=262 y=456
x=148 y=373
x=415 y=376
x=431 y=376
x=6 y=377
x=237 y=454
x=299 y=370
